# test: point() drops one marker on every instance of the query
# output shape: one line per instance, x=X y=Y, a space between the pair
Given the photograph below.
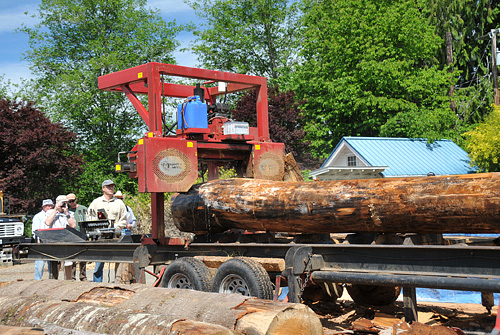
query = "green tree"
x=465 y=21
x=257 y=37
x=484 y=143
x=362 y=65
x=74 y=43
x=459 y=23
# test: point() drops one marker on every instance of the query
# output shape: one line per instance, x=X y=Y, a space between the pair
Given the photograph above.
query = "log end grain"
x=295 y=319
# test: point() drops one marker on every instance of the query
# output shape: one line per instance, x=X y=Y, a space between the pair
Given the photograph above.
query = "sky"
x=13 y=45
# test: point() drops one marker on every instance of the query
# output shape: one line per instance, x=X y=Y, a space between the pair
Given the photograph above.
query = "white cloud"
x=16 y=72
x=167 y=7
x=185 y=58
x=11 y=17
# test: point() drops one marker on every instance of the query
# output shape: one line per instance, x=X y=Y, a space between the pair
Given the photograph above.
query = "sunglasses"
x=72 y=200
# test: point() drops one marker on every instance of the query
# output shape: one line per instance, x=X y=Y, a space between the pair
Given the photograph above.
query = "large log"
x=138 y=309
x=437 y=204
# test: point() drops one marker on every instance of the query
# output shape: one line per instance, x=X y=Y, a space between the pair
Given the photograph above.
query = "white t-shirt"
x=60 y=219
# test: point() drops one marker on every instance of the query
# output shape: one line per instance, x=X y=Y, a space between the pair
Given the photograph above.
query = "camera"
x=64 y=204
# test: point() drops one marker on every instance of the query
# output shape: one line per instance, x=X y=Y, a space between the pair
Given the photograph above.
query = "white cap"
x=119 y=195
x=47 y=202
x=61 y=198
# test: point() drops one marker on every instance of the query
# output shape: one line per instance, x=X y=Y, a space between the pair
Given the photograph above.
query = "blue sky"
x=13 y=45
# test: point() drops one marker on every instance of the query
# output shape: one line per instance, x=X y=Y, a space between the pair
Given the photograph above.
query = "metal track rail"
x=467 y=261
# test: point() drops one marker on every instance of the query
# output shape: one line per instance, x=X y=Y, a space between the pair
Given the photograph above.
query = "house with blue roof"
x=376 y=157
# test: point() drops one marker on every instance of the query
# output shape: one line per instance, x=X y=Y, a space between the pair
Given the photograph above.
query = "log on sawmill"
x=437 y=204
x=138 y=309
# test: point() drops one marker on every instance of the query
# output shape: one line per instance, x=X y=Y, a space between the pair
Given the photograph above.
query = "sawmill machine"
x=206 y=136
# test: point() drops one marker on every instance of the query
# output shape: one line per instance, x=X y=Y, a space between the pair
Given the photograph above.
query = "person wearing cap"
x=39 y=223
x=114 y=210
x=131 y=220
x=60 y=217
x=80 y=213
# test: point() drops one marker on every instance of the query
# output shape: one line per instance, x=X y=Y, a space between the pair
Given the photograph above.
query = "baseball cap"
x=71 y=196
x=61 y=198
x=46 y=202
x=119 y=195
x=107 y=182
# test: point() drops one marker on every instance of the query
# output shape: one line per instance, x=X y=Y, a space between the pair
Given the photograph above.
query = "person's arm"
x=121 y=218
x=70 y=216
x=49 y=220
x=35 y=224
x=131 y=219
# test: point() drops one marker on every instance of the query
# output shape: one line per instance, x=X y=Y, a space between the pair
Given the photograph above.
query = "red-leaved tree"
x=286 y=123
x=36 y=159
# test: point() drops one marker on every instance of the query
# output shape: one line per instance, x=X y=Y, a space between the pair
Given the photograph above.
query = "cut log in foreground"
x=438 y=204
x=137 y=309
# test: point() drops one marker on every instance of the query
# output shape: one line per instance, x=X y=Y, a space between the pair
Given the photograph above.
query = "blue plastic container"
x=195 y=114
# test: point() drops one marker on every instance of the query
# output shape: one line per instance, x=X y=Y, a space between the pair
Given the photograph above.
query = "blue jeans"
x=99 y=267
x=39 y=269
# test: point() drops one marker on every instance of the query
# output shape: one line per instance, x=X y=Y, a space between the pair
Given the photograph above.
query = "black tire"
x=187 y=273
x=373 y=294
x=244 y=276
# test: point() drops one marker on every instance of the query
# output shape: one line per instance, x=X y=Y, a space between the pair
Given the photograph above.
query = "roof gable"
x=407 y=157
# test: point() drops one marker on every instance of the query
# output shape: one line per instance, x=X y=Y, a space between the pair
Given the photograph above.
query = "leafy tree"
x=460 y=23
x=363 y=64
x=286 y=122
x=37 y=156
x=258 y=37
x=75 y=43
x=465 y=21
x=484 y=143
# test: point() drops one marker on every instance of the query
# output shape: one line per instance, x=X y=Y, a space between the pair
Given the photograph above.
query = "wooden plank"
x=269 y=264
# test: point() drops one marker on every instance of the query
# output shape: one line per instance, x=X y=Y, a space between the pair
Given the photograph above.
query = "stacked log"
x=137 y=309
x=437 y=204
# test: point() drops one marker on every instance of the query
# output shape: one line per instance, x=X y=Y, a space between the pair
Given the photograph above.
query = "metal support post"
x=410 y=304
x=293 y=285
x=157 y=216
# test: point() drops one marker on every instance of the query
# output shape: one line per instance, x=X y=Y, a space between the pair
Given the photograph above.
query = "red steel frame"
x=146 y=79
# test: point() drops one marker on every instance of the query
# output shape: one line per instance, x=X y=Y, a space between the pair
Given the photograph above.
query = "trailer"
x=238 y=260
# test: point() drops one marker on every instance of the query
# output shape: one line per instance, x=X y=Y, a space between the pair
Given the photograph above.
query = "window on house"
x=351 y=160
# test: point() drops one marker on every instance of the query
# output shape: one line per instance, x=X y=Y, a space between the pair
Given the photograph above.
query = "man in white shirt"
x=115 y=211
x=60 y=217
x=39 y=223
x=131 y=220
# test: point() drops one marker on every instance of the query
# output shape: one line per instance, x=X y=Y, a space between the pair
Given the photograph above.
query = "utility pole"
x=493 y=35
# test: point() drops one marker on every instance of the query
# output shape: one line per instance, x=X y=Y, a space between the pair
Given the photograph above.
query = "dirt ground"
x=337 y=317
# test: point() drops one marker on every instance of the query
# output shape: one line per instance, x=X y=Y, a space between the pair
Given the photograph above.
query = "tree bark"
x=437 y=204
x=137 y=309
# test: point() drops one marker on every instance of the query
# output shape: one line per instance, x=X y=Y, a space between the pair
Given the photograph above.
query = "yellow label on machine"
x=190 y=144
x=257 y=147
x=141 y=141
x=118 y=167
x=139 y=75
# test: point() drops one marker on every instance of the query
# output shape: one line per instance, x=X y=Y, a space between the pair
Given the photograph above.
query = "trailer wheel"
x=373 y=294
x=187 y=273
x=243 y=276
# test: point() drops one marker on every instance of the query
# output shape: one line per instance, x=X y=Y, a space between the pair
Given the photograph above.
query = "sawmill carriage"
x=255 y=233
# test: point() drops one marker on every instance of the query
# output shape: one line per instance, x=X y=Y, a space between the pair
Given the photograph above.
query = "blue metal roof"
x=409 y=157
